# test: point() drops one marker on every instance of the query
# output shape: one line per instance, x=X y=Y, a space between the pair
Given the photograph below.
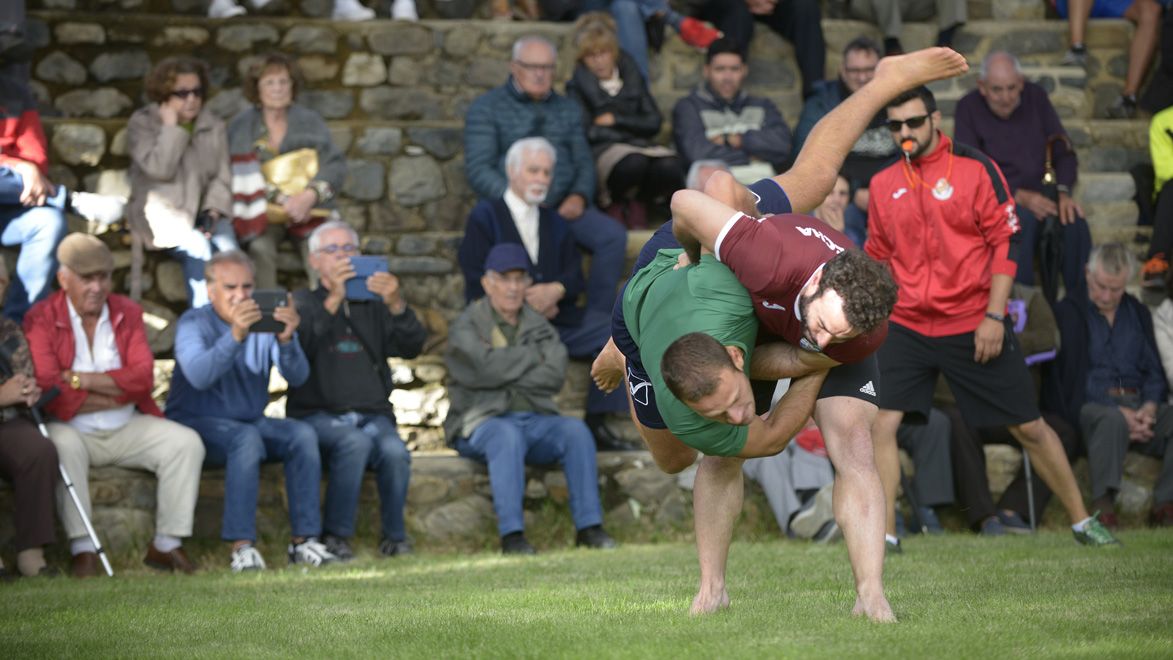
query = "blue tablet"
x=364 y=267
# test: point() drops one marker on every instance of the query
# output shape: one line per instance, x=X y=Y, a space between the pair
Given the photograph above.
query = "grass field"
x=956 y=596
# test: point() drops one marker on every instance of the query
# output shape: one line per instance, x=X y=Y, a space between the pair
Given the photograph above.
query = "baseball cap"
x=505 y=257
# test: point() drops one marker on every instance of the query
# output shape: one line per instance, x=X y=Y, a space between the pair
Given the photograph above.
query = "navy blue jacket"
x=559 y=260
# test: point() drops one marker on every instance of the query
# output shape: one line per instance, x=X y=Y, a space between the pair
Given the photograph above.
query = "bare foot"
x=607 y=370
x=707 y=602
x=876 y=609
x=901 y=72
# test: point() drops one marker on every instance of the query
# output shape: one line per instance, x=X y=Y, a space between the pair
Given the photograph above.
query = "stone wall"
x=395 y=94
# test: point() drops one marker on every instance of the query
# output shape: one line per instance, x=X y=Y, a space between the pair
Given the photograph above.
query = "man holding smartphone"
x=220 y=388
x=347 y=338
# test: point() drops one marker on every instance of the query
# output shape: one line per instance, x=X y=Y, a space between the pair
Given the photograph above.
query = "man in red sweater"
x=944 y=220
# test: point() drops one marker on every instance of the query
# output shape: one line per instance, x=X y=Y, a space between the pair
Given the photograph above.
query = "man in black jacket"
x=345 y=398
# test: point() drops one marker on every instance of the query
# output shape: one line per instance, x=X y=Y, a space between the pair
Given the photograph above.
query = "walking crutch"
x=6 y=351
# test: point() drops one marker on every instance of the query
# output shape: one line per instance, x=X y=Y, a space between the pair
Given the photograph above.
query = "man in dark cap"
x=91 y=345
x=505 y=364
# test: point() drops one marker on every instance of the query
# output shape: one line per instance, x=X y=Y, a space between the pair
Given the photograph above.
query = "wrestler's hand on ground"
x=987 y=340
x=607 y=369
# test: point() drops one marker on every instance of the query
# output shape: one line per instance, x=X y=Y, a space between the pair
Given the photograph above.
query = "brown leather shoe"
x=85 y=565
x=176 y=560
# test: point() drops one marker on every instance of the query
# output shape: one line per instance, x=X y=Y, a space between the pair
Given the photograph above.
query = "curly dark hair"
x=160 y=80
x=692 y=366
x=272 y=60
x=866 y=286
x=923 y=93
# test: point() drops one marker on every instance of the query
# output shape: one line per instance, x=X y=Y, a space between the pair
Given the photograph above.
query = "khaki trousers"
x=170 y=450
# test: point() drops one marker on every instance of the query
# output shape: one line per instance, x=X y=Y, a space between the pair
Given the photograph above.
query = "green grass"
x=956 y=596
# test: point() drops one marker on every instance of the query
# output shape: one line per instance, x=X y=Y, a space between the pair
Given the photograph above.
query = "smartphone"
x=269 y=300
x=364 y=267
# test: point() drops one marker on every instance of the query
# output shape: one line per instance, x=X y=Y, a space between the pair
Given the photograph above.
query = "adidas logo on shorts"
x=868 y=389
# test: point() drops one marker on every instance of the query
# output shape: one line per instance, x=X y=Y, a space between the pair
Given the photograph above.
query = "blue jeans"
x=584 y=340
x=37 y=230
x=630 y=19
x=193 y=253
x=508 y=442
x=350 y=443
x=606 y=240
x=240 y=448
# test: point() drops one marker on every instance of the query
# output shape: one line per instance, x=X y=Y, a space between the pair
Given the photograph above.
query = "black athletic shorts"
x=1000 y=392
x=643 y=396
x=859 y=380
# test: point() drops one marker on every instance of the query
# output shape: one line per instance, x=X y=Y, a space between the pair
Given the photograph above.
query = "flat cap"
x=85 y=254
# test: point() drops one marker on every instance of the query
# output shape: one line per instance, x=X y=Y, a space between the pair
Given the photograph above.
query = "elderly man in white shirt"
x=92 y=346
x=520 y=216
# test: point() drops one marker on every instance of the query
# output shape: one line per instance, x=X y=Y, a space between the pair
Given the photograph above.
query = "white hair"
x=532 y=39
x=315 y=240
x=518 y=149
x=692 y=181
x=991 y=56
x=1112 y=259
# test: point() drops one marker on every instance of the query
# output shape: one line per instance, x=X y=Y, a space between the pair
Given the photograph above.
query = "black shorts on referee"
x=1000 y=392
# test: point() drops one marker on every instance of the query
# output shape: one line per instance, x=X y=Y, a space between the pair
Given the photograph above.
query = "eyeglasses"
x=914 y=123
x=859 y=70
x=533 y=67
x=197 y=92
x=335 y=249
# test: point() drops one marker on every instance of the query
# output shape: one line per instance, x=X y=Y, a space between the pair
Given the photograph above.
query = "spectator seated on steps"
x=623 y=120
x=91 y=345
x=344 y=10
x=274 y=144
x=505 y=364
x=220 y=388
x=346 y=397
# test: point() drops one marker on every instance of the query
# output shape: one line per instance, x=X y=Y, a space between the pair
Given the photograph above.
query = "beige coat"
x=175 y=174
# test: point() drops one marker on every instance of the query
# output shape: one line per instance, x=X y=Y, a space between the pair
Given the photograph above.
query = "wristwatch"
x=74 y=380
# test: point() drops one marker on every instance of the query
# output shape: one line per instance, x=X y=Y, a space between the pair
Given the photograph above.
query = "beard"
x=803 y=304
x=536 y=194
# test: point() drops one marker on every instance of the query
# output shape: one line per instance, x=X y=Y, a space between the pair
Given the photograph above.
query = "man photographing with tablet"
x=350 y=325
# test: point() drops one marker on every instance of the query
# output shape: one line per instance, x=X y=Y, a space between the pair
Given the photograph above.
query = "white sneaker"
x=351 y=10
x=404 y=10
x=246 y=558
x=224 y=9
x=102 y=209
x=810 y=521
x=310 y=552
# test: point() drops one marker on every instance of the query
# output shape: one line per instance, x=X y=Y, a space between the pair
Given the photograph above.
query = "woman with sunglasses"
x=180 y=200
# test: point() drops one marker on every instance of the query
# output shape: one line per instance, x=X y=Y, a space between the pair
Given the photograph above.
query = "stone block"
x=103 y=102
x=535 y=490
x=180 y=36
x=310 y=39
x=1028 y=41
x=415 y=245
x=364 y=179
x=400 y=38
x=380 y=141
x=70 y=33
x=330 y=104
x=1106 y=188
x=427 y=489
x=443 y=143
x=392 y=103
x=57 y=67
x=316 y=68
x=341 y=136
x=246 y=37
x=420 y=265
x=462 y=41
x=79 y=144
x=415 y=180
x=127 y=65
x=227 y=103
x=454 y=521
x=404 y=71
x=486 y=72
x=363 y=70
x=170 y=282
x=646 y=485
x=112 y=182
x=160 y=326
